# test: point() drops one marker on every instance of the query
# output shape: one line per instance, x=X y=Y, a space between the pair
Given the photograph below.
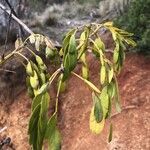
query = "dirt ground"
x=131 y=126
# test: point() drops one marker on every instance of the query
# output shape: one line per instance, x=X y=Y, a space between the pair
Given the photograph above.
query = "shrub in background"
x=137 y=20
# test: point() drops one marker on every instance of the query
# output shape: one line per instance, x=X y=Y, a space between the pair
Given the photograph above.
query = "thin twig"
x=3 y=129
x=124 y=109
x=13 y=12
x=16 y=19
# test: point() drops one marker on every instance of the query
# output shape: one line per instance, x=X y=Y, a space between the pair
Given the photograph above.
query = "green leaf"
x=43 y=118
x=36 y=101
x=43 y=88
x=66 y=42
x=110 y=133
x=99 y=45
x=49 y=53
x=72 y=45
x=52 y=134
x=43 y=78
x=39 y=60
x=98 y=111
x=116 y=97
x=116 y=53
x=94 y=126
x=83 y=41
x=104 y=101
x=34 y=82
x=111 y=89
x=130 y=42
x=29 y=69
x=110 y=74
x=30 y=92
x=66 y=67
x=73 y=61
x=51 y=125
x=33 y=124
x=103 y=74
x=85 y=70
x=55 y=140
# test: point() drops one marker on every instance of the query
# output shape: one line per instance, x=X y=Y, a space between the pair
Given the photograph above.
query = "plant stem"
x=58 y=92
x=54 y=75
x=91 y=85
x=22 y=56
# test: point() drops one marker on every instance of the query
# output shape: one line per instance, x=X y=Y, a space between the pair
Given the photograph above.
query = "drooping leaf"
x=29 y=69
x=99 y=45
x=43 y=118
x=34 y=82
x=72 y=45
x=42 y=77
x=94 y=126
x=49 y=52
x=110 y=74
x=66 y=41
x=73 y=61
x=32 y=39
x=37 y=45
x=116 y=53
x=104 y=101
x=36 y=101
x=85 y=70
x=43 y=88
x=110 y=23
x=110 y=133
x=116 y=97
x=103 y=74
x=66 y=67
x=34 y=122
x=55 y=140
x=18 y=43
x=98 y=111
x=39 y=60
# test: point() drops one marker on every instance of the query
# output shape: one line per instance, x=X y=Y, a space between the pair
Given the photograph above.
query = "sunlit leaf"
x=98 y=110
x=43 y=88
x=72 y=45
x=34 y=82
x=102 y=74
x=110 y=74
x=94 y=126
x=104 y=100
x=29 y=69
x=32 y=39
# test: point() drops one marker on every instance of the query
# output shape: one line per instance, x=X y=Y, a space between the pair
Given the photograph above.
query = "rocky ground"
x=131 y=126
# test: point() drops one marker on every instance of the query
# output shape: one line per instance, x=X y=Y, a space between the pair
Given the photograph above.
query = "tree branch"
x=13 y=12
x=16 y=19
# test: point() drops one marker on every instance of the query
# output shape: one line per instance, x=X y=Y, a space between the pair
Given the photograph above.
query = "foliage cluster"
x=75 y=47
x=137 y=20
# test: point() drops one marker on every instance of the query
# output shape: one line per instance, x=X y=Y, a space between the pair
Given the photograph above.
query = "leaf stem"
x=91 y=85
x=58 y=92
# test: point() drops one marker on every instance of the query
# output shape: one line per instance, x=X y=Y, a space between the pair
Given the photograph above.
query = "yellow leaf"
x=110 y=23
x=49 y=43
x=32 y=39
x=18 y=43
x=94 y=126
x=110 y=74
x=103 y=74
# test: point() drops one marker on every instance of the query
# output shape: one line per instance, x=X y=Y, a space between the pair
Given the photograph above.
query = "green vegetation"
x=42 y=125
x=137 y=20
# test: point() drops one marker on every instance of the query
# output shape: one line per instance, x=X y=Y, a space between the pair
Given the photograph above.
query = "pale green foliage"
x=75 y=47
